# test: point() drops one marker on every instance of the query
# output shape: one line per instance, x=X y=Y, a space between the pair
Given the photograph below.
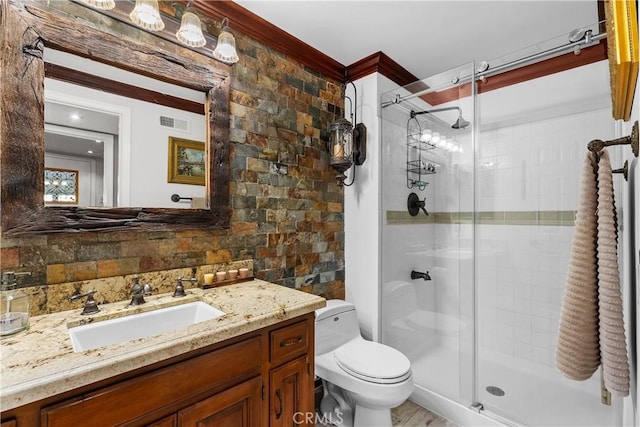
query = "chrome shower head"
x=461 y=123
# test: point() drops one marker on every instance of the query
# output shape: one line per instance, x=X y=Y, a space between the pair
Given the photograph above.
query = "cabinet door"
x=290 y=394
x=239 y=406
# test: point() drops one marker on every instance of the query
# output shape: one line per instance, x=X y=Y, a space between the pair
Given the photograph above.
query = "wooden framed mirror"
x=27 y=28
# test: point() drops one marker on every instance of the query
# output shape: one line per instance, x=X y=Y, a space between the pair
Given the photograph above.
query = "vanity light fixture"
x=190 y=32
x=147 y=15
x=101 y=4
x=347 y=145
x=225 y=50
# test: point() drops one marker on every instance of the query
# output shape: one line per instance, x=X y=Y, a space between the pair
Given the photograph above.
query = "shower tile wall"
x=521 y=269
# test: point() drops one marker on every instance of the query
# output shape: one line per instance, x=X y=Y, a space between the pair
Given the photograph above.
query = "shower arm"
x=437 y=110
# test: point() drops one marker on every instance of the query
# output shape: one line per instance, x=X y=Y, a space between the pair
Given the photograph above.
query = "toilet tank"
x=336 y=324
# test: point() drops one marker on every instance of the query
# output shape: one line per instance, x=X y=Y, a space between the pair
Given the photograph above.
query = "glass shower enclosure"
x=430 y=159
x=476 y=237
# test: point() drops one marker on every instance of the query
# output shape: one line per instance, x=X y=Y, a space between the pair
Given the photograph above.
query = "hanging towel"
x=613 y=344
x=578 y=352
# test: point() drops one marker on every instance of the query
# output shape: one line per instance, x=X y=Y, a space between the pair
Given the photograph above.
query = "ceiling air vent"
x=173 y=123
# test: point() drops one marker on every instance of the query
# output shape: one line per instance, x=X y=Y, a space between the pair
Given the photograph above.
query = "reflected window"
x=60 y=186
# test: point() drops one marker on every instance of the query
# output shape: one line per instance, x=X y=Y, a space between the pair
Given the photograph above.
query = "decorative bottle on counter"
x=14 y=305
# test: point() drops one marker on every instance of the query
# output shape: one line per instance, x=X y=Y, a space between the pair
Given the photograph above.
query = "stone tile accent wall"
x=287 y=211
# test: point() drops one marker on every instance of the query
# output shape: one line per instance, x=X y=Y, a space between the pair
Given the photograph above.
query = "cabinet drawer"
x=288 y=342
x=133 y=398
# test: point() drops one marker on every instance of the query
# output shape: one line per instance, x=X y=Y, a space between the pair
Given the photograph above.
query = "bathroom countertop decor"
x=40 y=362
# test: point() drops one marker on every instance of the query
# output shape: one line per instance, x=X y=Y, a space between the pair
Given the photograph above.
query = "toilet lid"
x=373 y=362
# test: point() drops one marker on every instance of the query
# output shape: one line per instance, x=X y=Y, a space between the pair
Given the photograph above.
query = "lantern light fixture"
x=347 y=144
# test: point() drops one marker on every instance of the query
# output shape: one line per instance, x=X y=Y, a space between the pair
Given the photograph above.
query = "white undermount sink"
x=134 y=326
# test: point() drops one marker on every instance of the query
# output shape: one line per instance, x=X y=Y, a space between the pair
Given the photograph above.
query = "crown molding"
x=379 y=62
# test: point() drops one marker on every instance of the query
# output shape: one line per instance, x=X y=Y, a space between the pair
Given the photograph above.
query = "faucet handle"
x=147 y=289
x=90 y=305
x=179 y=290
x=138 y=291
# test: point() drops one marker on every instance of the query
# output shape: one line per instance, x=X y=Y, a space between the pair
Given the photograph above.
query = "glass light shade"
x=426 y=135
x=147 y=15
x=101 y=4
x=340 y=139
x=225 y=50
x=190 y=32
x=341 y=147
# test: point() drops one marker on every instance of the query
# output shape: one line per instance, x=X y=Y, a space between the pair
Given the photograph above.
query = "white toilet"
x=363 y=380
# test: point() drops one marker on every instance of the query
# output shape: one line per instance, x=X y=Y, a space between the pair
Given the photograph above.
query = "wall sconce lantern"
x=347 y=145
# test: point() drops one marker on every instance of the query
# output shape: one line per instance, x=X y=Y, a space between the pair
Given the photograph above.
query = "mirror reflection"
x=121 y=146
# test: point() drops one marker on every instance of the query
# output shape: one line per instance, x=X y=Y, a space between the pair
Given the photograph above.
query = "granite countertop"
x=40 y=362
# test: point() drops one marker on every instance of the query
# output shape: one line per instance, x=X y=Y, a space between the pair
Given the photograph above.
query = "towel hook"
x=624 y=170
x=597 y=144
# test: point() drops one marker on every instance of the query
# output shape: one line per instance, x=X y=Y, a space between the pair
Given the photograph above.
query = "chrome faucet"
x=418 y=275
x=138 y=292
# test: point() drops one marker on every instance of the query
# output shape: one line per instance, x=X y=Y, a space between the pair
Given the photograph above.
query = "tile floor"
x=411 y=415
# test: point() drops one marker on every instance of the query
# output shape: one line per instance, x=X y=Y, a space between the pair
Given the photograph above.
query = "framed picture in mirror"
x=186 y=161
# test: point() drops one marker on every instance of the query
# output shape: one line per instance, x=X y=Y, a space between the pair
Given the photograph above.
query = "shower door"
x=479 y=319
x=529 y=165
x=427 y=230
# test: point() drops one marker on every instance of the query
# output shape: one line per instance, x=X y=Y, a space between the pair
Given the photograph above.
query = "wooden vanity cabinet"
x=289 y=393
x=238 y=406
x=263 y=378
x=291 y=375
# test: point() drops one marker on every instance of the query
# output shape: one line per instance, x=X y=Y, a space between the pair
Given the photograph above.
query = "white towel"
x=578 y=352
x=613 y=344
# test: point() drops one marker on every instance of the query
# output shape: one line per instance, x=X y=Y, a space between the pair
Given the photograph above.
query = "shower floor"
x=534 y=395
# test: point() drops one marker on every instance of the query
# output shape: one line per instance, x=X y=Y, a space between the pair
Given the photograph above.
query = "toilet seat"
x=373 y=362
